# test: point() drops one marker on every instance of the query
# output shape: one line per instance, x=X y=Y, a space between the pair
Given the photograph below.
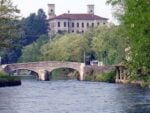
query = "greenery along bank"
x=73 y=47
x=6 y=80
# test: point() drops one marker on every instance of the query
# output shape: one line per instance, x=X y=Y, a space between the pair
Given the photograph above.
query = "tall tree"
x=69 y=47
x=32 y=52
x=109 y=44
x=31 y=28
x=136 y=20
x=7 y=22
x=35 y=25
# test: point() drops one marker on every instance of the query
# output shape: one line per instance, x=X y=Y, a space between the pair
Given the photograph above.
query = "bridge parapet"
x=48 y=65
x=41 y=68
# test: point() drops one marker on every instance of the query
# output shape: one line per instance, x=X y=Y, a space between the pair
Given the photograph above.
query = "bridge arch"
x=73 y=72
x=17 y=71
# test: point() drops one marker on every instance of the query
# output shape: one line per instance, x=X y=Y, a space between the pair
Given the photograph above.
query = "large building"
x=73 y=23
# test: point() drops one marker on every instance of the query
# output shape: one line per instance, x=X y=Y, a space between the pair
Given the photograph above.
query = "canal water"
x=71 y=96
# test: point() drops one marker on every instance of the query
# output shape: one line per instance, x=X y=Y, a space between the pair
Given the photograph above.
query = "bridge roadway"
x=41 y=68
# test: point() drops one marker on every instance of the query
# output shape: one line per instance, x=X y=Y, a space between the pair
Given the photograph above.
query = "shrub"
x=5 y=77
x=102 y=77
x=106 y=77
x=3 y=74
x=89 y=78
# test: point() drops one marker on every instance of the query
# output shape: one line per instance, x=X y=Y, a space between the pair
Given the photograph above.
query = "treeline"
x=23 y=32
x=105 y=43
x=134 y=16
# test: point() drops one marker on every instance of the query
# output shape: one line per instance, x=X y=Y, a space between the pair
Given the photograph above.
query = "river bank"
x=6 y=80
x=110 y=77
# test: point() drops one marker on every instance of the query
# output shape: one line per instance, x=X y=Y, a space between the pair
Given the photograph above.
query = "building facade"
x=73 y=23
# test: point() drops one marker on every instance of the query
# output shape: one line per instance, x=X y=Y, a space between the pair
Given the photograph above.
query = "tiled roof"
x=79 y=17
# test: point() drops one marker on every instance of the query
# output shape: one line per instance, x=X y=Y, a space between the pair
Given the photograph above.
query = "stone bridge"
x=41 y=68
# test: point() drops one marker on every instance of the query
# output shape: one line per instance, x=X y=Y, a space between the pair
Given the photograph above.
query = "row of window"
x=63 y=31
x=77 y=24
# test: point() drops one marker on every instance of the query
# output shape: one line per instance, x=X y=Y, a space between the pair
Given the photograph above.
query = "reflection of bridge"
x=41 y=68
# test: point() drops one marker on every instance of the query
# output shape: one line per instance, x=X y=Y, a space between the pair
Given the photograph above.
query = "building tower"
x=51 y=11
x=90 y=9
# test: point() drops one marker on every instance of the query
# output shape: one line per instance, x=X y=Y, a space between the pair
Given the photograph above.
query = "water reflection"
x=73 y=97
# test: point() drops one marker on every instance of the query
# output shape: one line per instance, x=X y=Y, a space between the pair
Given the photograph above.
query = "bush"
x=106 y=77
x=90 y=78
x=3 y=74
x=102 y=77
x=5 y=77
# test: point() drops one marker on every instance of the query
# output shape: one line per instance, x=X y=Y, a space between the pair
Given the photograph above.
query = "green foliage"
x=5 y=77
x=35 y=25
x=69 y=47
x=111 y=41
x=3 y=74
x=28 y=30
x=7 y=22
x=106 y=77
x=136 y=20
x=102 y=77
x=32 y=52
x=90 y=78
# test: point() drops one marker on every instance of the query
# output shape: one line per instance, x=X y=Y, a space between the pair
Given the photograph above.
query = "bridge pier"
x=82 y=66
x=43 y=75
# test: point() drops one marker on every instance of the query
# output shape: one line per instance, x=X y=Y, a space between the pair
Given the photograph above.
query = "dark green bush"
x=106 y=77
x=102 y=77
x=5 y=77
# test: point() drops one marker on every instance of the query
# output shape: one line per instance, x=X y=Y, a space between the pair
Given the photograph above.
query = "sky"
x=62 y=6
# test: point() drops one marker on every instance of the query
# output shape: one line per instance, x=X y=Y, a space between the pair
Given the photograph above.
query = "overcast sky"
x=62 y=6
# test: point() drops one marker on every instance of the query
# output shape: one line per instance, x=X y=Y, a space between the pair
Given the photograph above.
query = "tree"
x=7 y=22
x=70 y=47
x=136 y=20
x=32 y=52
x=109 y=44
x=29 y=30
x=35 y=25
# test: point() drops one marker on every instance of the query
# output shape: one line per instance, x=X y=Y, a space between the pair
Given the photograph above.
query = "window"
x=82 y=24
x=52 y=11
x=64 y=24
x=97 y=23
x=72 y=30
x=72 y=24
x=104 y=23
x=58 y=24
x=77 y=24
x=87 y=24
x=82 y=31
x=92 y=24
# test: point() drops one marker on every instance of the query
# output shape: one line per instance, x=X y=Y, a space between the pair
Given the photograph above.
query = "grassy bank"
x=110 y=78
x=101 y=77
x=6 y=80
